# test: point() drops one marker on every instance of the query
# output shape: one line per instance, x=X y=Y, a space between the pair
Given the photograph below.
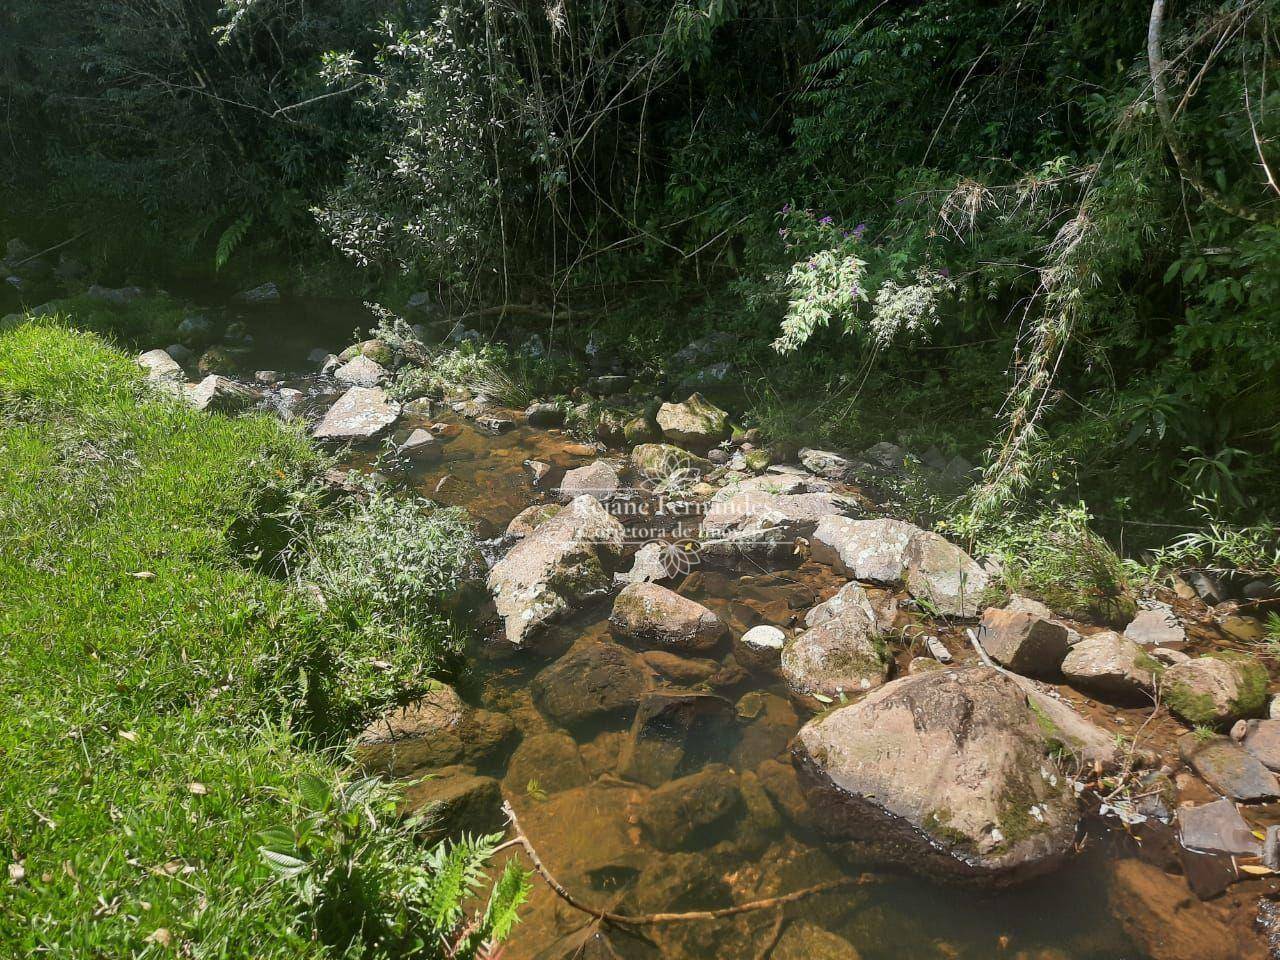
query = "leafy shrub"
x=360 y=879
x=392 y=561
x=1056 y=557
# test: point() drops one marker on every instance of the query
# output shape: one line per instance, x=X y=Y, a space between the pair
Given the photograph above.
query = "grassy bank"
x=156 y=687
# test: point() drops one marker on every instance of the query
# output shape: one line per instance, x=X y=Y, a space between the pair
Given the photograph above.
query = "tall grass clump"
x=157 y=701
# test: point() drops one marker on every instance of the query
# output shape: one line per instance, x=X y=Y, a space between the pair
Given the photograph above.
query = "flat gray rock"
x=1260 y=738
x=361 y=413
x=1216 y=828
x=1229 y=768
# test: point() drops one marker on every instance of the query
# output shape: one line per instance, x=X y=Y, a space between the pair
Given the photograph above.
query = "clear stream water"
x=583 y=818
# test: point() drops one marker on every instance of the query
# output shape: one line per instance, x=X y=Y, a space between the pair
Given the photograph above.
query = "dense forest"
x=1048 y=230
x=1030 y=248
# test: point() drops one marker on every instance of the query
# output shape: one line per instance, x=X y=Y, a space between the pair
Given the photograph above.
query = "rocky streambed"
x=706 y=679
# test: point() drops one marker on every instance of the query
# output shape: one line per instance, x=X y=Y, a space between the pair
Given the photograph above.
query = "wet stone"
x=693 y=811
x=495 y=423
x=1216 y=828
x=1229 y=768
x=546 y=763
x=594 y=681
x=665 y=722
x=455 y=800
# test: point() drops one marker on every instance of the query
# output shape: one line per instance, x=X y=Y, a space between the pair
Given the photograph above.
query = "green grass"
x=156 y=686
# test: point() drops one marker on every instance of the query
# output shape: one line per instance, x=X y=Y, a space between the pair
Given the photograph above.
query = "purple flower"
x=786 y=208
x=813 y=264
x=826 y=221
x=782 y=232
x=946 y=272
x=859 y=230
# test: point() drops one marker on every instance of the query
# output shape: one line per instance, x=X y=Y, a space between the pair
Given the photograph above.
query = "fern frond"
x=230 y=239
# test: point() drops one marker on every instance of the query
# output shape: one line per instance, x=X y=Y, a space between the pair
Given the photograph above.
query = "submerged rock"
x=361 y=413
x=420 y=445
x=650 y=613
x=565 y=561
x=593 y=681
x=436 y=730
x=660 y=734
x=647 y=566
x=697 y=422
x=692 y=812
x=546 y=763
x=948 y=773
x=455 y=800
x=802 y=940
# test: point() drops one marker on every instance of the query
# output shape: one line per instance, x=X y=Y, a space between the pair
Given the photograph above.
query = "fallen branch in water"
x=651 y=919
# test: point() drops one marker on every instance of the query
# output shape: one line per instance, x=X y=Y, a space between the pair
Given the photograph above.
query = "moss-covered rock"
x=1216 y=690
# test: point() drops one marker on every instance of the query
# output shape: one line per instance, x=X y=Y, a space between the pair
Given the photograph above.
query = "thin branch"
x=653 y=919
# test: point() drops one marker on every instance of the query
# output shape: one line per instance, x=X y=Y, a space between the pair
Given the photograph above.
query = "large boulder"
x=1111 y=667
x=436 y=730
x=598 y=480
x=662 y=462
x=263 y=293
x=841 y=656
x=765 y=525
x=881 y=609
x=937 y=573
x=870 y=550
x=696 y=423
x=653 y=614
x=949 y=773
x=361 y=413
x=944 y=577
x=592 y=682
x=565 y=561
x=1026 y=643
x=1216 y=690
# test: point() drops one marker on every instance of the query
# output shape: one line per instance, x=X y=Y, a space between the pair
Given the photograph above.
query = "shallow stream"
x=585 y=818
